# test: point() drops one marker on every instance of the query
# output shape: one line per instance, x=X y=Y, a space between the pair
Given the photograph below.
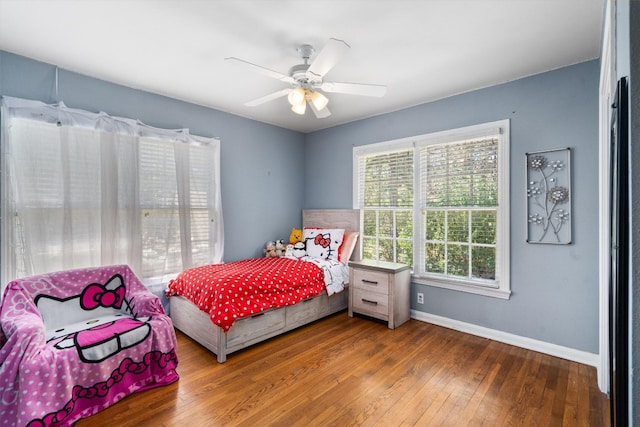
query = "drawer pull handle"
x=257 y=315
x=369 y=301
x=370 y=282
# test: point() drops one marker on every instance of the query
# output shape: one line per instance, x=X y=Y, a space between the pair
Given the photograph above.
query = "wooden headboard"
x=348 y=219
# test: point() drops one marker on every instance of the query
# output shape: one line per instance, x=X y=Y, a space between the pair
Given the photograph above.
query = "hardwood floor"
x=343 y=371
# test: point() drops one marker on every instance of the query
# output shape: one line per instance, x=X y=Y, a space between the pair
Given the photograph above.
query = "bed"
x=252 y=329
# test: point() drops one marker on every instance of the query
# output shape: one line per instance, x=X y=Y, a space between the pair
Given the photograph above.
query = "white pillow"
x=323 y=242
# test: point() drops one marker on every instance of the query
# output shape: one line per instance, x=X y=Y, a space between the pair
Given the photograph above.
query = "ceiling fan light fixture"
x=296 y=97
x=305 y=78
x=319 y=100
x=300 y=108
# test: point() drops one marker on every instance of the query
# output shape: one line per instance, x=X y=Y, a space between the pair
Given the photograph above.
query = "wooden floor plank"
x=355 y=371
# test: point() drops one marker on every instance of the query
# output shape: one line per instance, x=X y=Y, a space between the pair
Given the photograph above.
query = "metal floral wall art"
x=549 y=197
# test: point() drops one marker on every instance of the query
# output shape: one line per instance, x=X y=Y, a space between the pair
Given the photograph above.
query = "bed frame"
x=245 y=332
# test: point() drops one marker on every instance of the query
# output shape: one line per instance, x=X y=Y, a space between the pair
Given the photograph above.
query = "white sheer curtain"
x=83 y=189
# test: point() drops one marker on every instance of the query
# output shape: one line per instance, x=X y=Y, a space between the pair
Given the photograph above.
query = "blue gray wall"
x=555 y=288
x=261 y=197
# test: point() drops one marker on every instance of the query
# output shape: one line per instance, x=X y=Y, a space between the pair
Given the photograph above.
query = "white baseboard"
x=507 y=338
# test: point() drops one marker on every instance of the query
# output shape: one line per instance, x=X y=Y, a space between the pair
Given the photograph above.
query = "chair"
x=74 y=342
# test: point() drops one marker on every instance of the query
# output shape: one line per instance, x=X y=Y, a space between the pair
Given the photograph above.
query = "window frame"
x=499 y=287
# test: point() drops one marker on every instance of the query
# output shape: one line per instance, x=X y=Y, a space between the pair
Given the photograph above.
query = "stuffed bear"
x=296 y=236
x=270 y=249
x=280 y=248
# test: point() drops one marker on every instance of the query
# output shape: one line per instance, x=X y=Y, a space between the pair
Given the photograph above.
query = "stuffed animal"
x=280 y=248
x=289 y=251
x=296 y=236
x=299 y=250
x=270 y=249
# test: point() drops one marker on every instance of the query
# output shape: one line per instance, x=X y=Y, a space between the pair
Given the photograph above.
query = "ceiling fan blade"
x=319 y=114
x=328 y=57
x=268 y=98
x=263 y=70
x=354 y=88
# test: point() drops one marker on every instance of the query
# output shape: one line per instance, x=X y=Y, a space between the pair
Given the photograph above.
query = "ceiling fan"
x=307 y=80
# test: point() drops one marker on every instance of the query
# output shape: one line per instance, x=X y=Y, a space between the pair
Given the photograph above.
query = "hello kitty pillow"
x=323 y=242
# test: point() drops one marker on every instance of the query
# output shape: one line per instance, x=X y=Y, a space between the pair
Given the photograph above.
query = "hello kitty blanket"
x=75 y=342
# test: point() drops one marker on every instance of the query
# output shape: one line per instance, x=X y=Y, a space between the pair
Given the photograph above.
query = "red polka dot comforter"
x=239 y=289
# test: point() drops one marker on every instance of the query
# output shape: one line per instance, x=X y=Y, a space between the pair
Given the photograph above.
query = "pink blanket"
x=75 y=342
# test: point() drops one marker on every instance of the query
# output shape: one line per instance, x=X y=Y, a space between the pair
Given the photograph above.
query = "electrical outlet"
x=420 y=298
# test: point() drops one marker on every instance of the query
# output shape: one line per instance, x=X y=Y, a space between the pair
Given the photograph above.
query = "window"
x=84 y=189
x=387 y=203
x=177 y=188
x=439 y=202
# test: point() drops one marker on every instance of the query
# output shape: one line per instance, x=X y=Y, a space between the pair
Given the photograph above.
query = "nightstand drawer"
x=372 y=303
x=371 y=281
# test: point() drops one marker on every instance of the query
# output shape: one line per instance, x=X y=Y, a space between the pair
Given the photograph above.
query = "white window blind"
x=387 y=180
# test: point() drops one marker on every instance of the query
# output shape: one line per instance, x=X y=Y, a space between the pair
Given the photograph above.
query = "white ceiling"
x=422 y=50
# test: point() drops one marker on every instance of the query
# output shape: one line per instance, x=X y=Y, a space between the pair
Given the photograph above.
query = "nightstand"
x=380 y=289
